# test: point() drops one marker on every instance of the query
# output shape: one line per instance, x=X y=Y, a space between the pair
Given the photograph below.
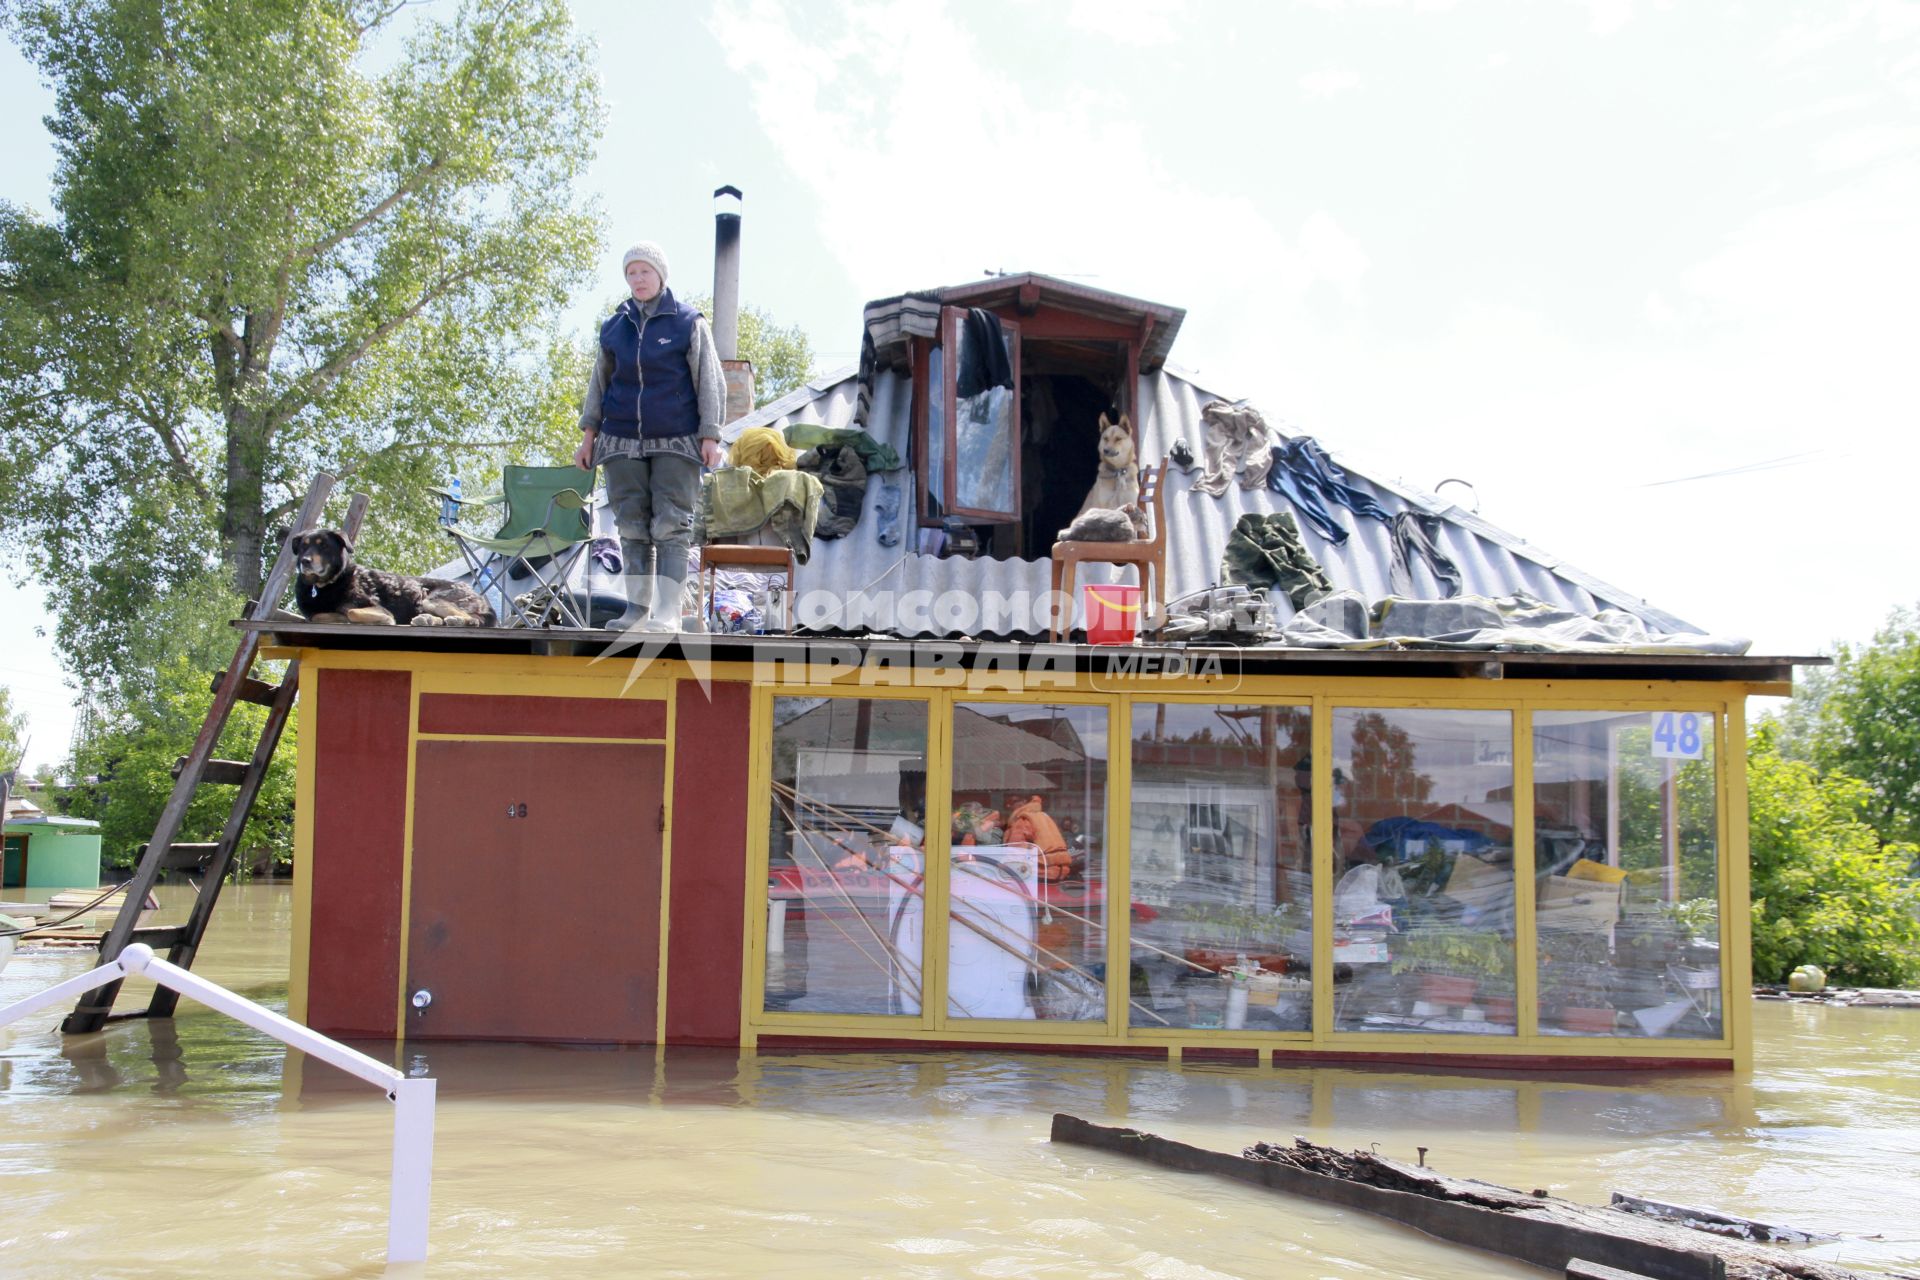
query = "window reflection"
x=984 y=432
x=1627 y=863
x=1423 y=855
x=1026 y=934
x=843 y=877
x=1222 y=879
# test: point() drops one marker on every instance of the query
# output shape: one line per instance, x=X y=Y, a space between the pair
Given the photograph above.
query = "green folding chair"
x=546 y=528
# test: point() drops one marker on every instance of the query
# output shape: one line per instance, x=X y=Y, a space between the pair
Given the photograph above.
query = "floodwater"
x=199 y=1149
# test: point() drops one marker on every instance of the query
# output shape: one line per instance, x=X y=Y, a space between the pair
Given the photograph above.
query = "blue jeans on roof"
x=1304 y=475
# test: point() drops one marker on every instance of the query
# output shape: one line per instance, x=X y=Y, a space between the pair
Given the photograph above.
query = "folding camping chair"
x=547 y=528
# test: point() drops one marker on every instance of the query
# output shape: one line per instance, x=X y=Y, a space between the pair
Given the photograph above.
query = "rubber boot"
x=670 y=586
x=636 y=580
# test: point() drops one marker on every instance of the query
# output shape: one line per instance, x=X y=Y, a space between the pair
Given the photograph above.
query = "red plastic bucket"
x=1113 y=614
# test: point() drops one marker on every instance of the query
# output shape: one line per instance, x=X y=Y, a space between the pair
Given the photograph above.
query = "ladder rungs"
x=161 y=937
x=184 y=857
x=230 y=772
x=258 y=692
x=276 y=615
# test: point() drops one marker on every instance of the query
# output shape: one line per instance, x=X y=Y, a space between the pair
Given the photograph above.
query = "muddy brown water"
x=199 y=1149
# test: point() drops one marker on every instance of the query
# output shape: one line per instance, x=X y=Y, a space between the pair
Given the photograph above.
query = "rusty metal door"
x=535 y=904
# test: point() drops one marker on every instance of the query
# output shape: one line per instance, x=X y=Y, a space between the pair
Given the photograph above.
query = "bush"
x=1826 y=891
x=123 y=772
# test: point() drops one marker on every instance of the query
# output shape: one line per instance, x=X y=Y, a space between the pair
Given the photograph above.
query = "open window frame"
x=937 y=427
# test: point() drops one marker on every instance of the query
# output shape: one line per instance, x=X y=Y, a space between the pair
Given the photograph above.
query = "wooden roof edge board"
x=1476 y=665
x=1085 y=298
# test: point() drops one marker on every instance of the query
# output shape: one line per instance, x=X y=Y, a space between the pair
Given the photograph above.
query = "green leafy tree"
x=1825 y=889
x=123 y=774
x=782 y=355
x=13 y=733
x=287 y=236
x=1644 y=796
x=1866 y=724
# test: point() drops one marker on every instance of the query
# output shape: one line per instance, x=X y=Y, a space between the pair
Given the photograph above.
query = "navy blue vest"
x=651 y=392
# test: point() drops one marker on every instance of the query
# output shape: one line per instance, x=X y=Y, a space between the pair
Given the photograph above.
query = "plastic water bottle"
x=450 y=505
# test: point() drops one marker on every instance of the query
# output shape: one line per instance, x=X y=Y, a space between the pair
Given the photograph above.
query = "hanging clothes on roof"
x=873 y=454
x=843 y=476
x=1416 y=533
x=1265 y=550
x=983 y=355
x=1308 y=478
x=886 y=511
x=1307 y=502
x=1236 y=436
x=887 y=325
x=737 y=504
x=863 y=385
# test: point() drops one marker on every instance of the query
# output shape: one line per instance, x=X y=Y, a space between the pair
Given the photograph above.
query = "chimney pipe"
x=726 y=272
x=726 y=301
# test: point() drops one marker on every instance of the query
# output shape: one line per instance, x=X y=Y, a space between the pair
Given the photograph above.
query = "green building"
x=44 y=851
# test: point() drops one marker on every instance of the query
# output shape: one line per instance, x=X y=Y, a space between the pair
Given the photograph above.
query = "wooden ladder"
x=179 y=942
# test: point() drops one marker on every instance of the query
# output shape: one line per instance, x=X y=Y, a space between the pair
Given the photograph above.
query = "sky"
x=1645 y=275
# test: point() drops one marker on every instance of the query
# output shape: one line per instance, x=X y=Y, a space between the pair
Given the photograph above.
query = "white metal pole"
x=63 y=992
x=139 y=958
x=413 y=1102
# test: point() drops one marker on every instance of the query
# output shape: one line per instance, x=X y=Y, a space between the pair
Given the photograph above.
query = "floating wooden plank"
x=1719 y=1224
x=1581 y=1269
x=1543 y=1230
x=75 y=899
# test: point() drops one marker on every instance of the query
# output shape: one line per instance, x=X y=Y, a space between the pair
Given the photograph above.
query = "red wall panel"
x=708 y=881
x=359 y=848
x=527 y=717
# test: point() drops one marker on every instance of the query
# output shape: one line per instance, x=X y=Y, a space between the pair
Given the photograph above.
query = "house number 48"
x=516 y=810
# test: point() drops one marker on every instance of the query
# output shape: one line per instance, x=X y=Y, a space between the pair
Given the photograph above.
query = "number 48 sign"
x=1681 y=735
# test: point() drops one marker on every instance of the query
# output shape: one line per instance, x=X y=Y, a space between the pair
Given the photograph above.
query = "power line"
x=1792 y=459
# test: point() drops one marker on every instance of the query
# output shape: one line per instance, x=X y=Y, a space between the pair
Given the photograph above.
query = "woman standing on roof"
x=651 y=420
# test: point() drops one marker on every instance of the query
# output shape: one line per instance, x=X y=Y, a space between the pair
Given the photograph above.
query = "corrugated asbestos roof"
x=854 y=584
x=1492 y=562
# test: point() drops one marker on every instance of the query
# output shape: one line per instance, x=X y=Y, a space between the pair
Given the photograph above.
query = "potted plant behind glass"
x=1576 y=981
x=1450 y=962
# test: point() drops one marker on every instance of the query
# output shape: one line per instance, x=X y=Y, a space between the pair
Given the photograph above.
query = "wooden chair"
x=1150 y=555
x=735 y=555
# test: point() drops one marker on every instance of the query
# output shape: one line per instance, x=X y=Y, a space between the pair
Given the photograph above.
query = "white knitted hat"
x=650 y=253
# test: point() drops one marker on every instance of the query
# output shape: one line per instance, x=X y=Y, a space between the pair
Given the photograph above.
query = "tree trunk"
x=243 y=521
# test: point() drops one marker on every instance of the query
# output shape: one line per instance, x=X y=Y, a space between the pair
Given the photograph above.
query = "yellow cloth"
x=763 y=449
x=1586 y=869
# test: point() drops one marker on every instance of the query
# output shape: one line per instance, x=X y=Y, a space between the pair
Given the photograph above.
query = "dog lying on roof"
x=332 y=588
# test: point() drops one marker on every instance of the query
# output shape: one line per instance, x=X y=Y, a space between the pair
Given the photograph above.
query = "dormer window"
x=1005 y=442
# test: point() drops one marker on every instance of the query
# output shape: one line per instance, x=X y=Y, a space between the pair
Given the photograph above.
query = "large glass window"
x=1627 y=873
x=844 y=925
x=1027 y=912
x=1423 y=855
x=1222 y=871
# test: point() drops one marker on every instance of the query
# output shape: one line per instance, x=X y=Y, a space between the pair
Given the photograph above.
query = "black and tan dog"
x=332 y=588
